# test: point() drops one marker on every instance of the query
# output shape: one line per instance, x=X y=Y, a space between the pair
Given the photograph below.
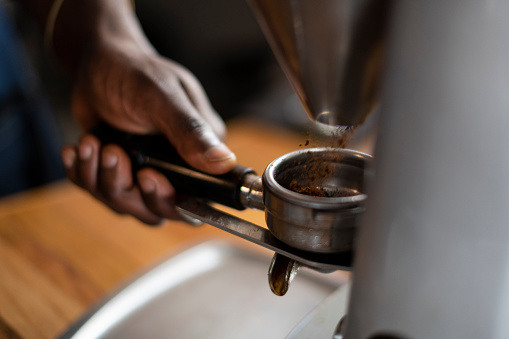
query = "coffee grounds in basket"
x=315 y=169
x=308 y=190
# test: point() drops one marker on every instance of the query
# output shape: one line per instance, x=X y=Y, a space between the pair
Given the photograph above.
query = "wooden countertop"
x=61 y=251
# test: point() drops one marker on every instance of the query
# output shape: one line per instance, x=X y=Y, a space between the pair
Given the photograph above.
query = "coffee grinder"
x=432 y=256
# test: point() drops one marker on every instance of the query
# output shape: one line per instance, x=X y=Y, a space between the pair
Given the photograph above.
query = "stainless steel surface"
x=322 y=322
x=331 y=51
x=251 y=192
x=432 y=259
x=313 y=223
x=325 y=262
x=213 y=290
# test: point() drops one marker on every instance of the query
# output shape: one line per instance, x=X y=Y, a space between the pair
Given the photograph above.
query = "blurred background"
x=219 y=41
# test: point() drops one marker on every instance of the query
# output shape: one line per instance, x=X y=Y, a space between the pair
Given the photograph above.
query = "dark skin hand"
x=120 y=79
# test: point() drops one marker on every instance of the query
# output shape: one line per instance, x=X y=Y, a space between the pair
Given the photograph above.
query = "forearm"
x=82 y=24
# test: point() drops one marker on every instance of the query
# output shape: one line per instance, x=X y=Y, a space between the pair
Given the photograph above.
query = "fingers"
x=106 y=174
x=142 y=94
x=88 y=162
x=115 y=175
x=81 y=162
x=156 y=95
x=158 y=194
x=115 y=186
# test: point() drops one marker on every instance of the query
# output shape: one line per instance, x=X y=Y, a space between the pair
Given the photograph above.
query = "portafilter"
x=312 y=198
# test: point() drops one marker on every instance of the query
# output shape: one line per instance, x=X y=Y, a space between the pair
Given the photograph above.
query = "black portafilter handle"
x=156 y=151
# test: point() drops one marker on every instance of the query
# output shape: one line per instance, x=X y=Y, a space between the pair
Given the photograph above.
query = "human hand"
x=132 y=88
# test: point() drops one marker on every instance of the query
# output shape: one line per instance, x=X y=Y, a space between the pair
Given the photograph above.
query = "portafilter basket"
x=314 y=198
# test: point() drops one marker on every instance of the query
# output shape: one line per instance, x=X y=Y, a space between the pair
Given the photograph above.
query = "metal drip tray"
x=213 y=290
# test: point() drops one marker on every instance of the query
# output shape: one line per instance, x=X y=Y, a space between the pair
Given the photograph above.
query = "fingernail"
x=147 y=185
x=68 y=158
x=109 y=159
x=218 y=153
x=85 y=151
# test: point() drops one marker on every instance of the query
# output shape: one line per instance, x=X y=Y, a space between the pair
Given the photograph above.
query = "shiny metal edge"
x=323 y=262
x=91 y=325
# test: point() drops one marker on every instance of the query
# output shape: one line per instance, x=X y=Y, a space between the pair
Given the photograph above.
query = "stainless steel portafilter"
x=312 y=198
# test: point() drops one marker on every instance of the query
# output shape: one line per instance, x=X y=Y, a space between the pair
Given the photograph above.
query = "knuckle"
x=193 y=126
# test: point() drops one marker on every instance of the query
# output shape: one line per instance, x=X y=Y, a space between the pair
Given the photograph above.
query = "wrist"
x=83 y=25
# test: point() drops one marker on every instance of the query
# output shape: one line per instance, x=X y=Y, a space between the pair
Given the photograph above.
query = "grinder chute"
x=331 y=52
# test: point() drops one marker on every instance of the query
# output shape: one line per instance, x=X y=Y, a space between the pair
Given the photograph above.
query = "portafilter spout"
x=331 y=51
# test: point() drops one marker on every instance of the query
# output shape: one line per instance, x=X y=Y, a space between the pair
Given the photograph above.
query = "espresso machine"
x=424 y=226
x=432 y=253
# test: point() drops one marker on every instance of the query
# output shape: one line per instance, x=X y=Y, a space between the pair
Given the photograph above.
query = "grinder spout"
x=331 y=52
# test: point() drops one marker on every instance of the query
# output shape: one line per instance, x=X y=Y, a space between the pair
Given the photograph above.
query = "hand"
x=132 y=88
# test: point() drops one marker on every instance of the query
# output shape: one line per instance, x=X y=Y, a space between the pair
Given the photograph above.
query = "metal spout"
x=282 y=271
x=331 y=52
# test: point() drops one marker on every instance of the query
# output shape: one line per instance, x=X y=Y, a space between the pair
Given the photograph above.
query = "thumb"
x=202 y=149
x=196 y=141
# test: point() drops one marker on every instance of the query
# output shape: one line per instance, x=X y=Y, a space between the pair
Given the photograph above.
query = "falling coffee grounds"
x=315 y=169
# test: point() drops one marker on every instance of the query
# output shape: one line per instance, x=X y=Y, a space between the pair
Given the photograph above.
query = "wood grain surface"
x=61 y=251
